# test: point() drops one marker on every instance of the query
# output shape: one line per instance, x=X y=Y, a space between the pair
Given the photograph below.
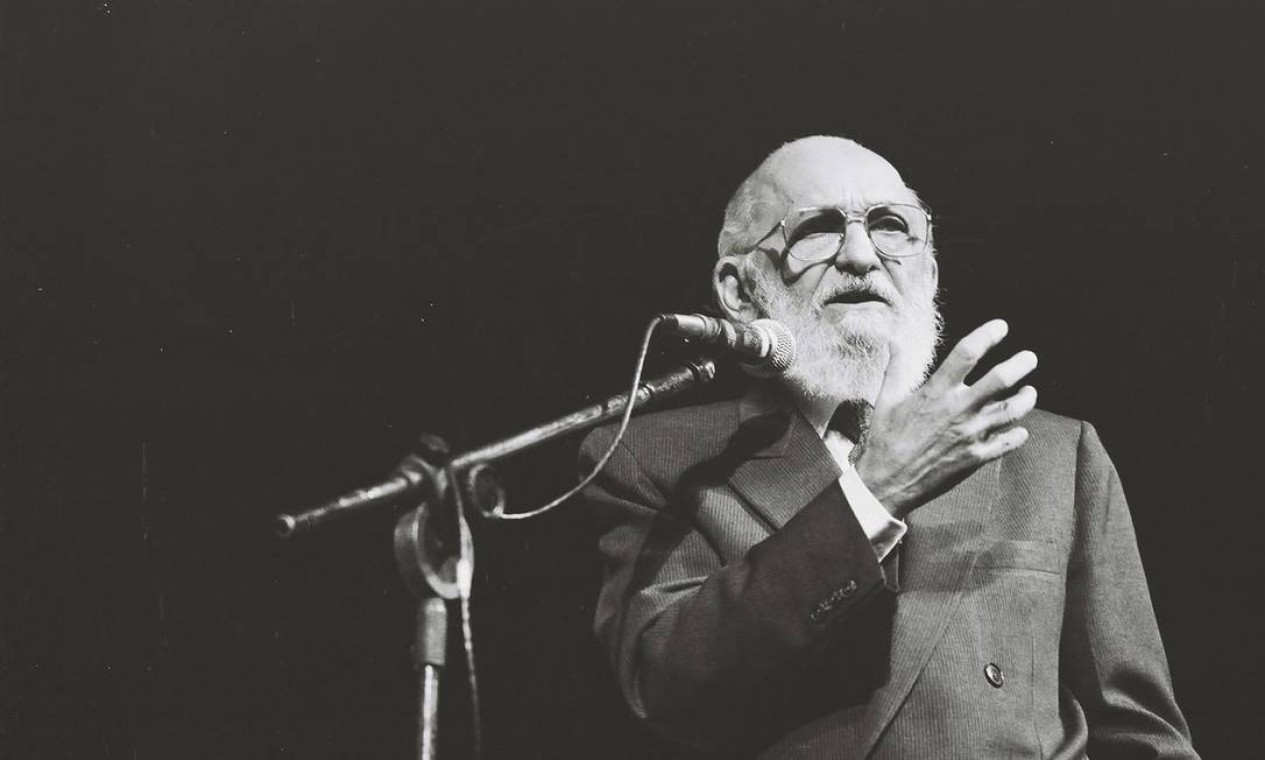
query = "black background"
x=252 y=247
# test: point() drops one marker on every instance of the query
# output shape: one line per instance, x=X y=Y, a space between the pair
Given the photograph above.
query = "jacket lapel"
x=946 y=536
x=786 y=464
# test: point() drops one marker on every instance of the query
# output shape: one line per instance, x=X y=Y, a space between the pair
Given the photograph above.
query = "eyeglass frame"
x=848 y=218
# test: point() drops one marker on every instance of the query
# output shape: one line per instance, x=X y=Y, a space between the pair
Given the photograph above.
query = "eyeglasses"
x=816 y=233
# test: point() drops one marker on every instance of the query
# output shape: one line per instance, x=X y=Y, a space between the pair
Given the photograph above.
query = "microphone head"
x=781 y=350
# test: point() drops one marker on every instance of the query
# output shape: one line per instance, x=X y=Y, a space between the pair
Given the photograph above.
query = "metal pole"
x=429 y=645
x=428 y=714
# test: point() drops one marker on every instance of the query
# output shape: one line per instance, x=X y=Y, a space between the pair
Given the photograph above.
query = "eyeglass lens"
x=816 y=234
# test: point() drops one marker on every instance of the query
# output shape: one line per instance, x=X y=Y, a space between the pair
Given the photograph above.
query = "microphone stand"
x=428 y=539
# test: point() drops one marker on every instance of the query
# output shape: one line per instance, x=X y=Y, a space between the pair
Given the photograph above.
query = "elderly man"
x=859 y=559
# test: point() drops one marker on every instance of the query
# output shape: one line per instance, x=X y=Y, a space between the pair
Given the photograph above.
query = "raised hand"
x=920 y=445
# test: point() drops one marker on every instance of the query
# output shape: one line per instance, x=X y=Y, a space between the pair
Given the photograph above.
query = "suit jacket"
x=744 y=609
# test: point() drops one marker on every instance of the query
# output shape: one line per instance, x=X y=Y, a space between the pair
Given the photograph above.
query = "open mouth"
x=853 y=297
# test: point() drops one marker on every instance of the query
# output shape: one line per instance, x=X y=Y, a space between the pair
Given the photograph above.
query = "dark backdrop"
x=252 y=247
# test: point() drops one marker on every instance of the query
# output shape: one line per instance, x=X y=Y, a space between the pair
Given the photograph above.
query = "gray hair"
x=749 y=209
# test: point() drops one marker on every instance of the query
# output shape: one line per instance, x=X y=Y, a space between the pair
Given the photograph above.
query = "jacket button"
x=848 y=589
x=994 y=675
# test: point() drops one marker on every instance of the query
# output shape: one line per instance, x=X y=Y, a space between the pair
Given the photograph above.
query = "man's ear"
x=732 y=294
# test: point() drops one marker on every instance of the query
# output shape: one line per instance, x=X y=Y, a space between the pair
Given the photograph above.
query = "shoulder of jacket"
x=1048 y=424
x=1055 y=442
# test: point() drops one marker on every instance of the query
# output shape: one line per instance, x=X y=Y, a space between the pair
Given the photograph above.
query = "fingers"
x=1004 y=413
x=1002 y=443
x=993 y=425
x=1003 y=376
x=968 y=352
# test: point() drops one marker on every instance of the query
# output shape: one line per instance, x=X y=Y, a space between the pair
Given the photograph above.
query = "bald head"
x=819 y=170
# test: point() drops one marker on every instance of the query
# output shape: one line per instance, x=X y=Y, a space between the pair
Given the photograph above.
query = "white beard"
x=844 y=358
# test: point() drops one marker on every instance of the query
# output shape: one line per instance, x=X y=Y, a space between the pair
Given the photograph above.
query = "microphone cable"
x=465 y=553
x=498 y=513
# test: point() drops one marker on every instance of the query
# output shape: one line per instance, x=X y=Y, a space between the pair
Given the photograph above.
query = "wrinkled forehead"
x=838 y=173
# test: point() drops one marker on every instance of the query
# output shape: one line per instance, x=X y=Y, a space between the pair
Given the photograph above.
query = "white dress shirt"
x=883 y=530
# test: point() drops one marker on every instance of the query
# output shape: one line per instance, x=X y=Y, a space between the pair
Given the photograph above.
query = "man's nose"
x=857 y=254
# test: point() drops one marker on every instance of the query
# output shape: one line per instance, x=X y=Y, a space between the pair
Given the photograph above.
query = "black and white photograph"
x=477 y=380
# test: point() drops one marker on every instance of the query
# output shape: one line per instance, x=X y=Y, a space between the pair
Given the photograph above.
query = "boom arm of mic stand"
x=410 y=477
x=405 y=480
x=689 y=375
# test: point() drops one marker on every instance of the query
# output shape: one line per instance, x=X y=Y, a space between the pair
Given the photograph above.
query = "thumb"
x=892 y=390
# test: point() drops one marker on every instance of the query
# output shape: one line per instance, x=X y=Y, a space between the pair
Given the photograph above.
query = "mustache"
x=853 y=289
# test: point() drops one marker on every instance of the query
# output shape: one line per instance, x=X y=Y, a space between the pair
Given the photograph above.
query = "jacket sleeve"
x=696 y=642
x=1112 y=657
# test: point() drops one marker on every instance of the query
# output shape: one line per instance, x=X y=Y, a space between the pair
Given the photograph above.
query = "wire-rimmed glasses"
x=816 y=233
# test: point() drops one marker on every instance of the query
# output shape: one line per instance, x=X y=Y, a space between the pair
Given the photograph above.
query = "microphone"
x=765 y=347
